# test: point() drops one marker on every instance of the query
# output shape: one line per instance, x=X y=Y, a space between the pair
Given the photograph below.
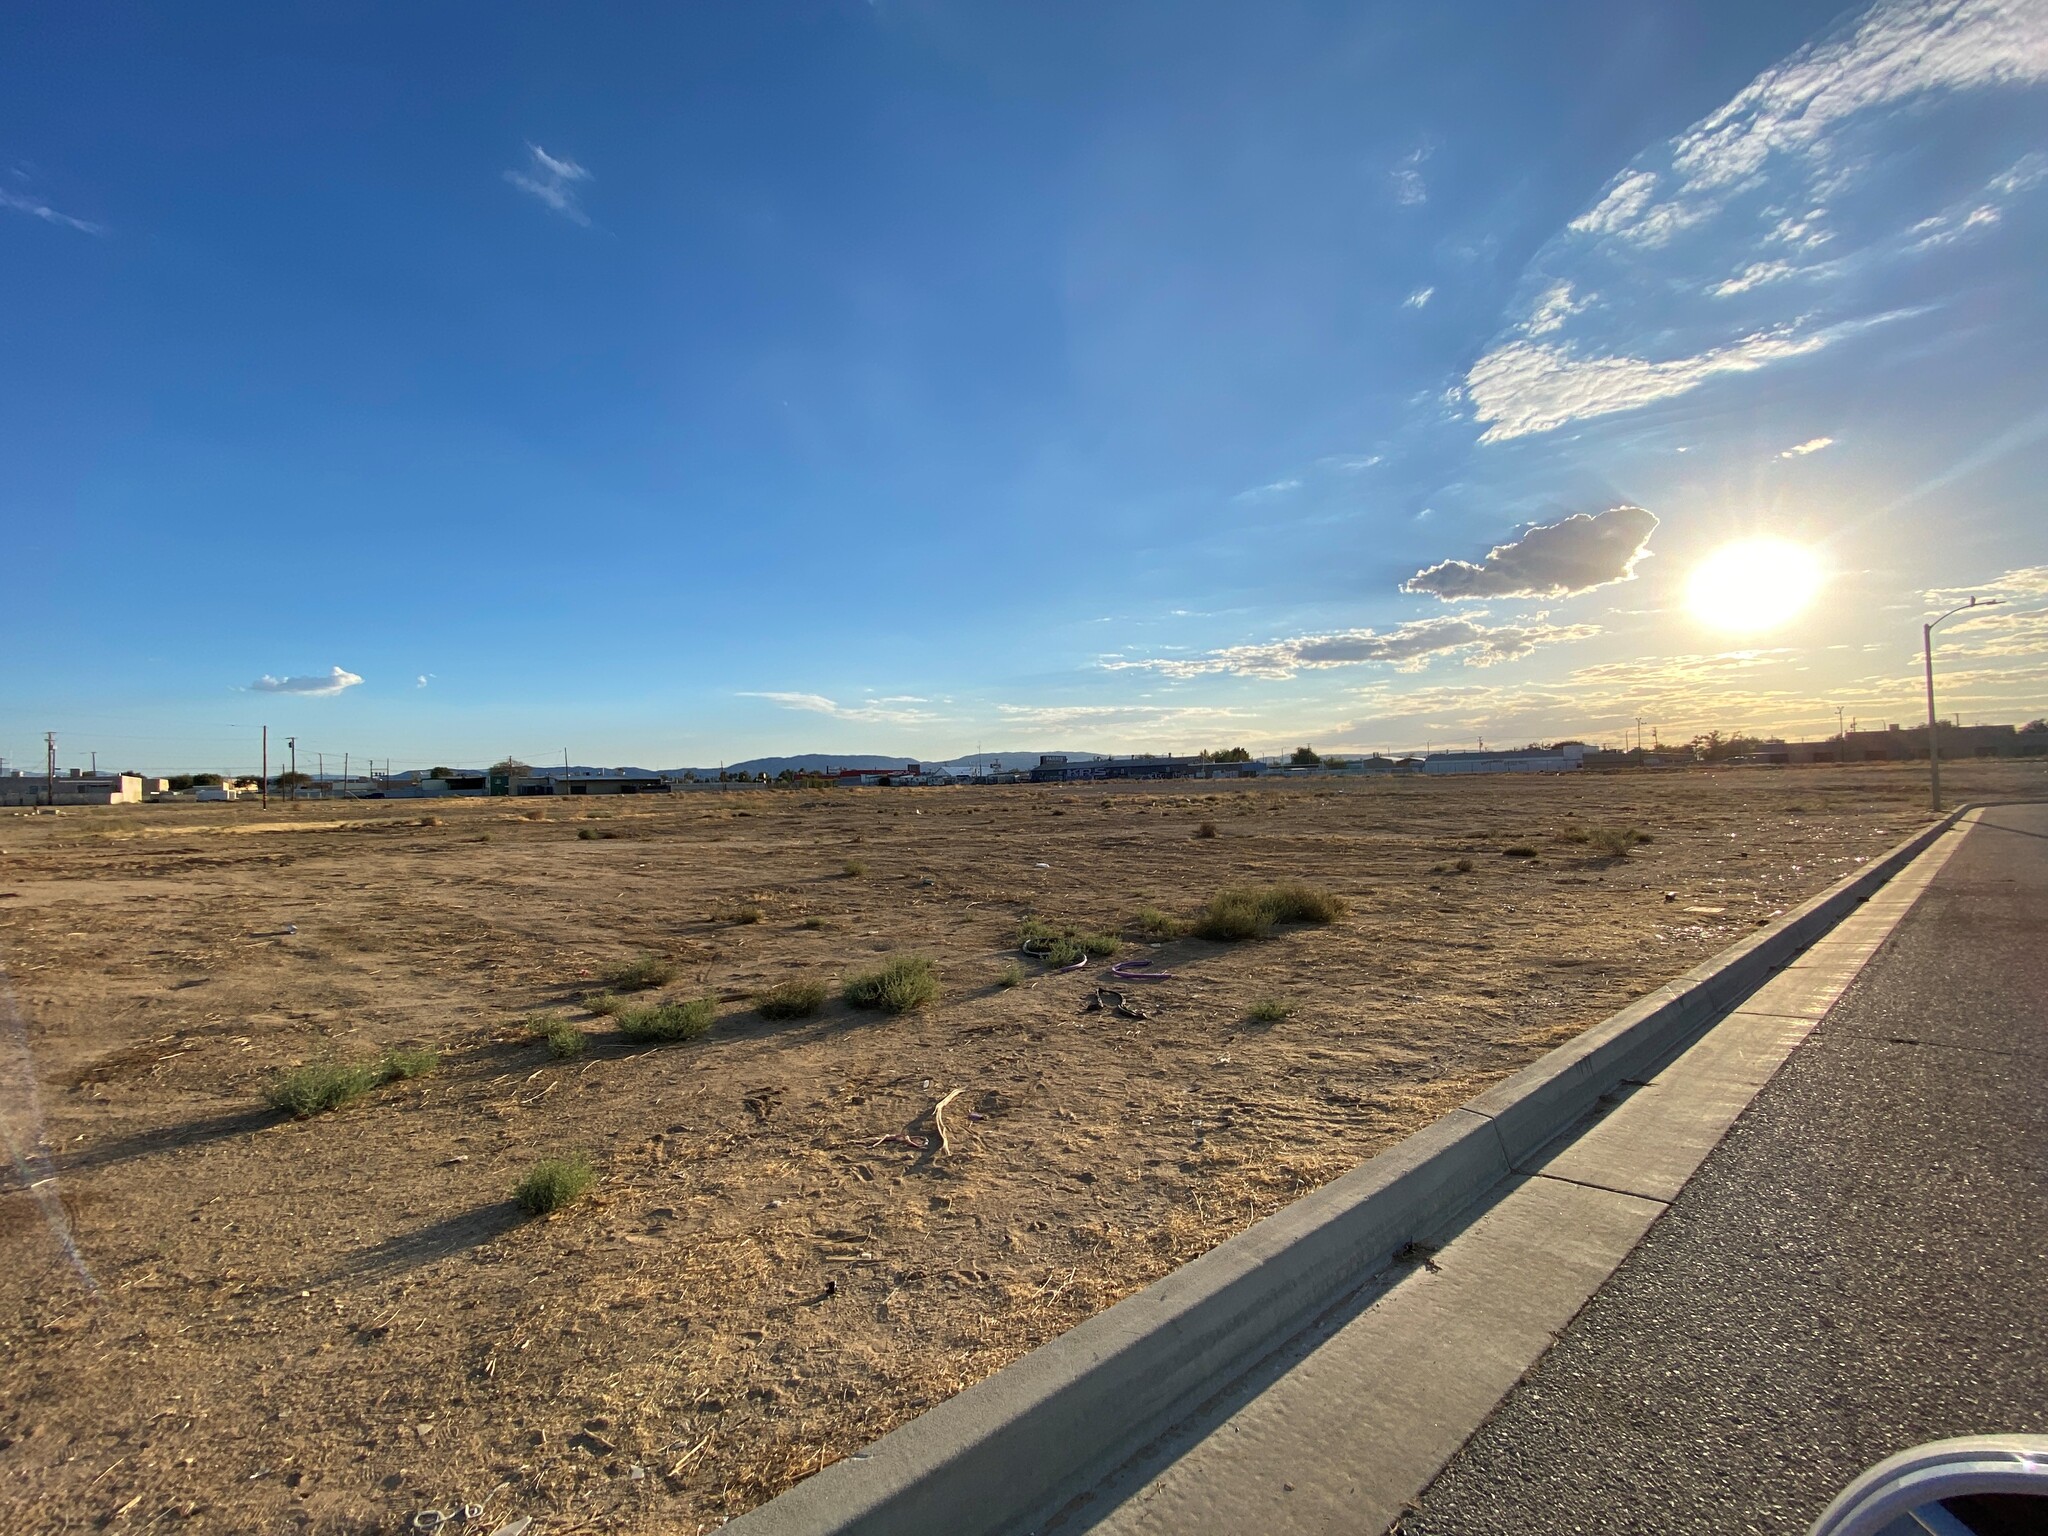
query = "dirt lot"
x=333 y=1323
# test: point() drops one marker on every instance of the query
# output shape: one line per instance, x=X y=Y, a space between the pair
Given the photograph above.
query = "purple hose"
x=1135 y=970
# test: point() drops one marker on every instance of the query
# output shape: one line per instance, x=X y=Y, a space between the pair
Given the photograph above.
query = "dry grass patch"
x=897 y=985
x=662 y=1022
x=554 y=1182
x=792 y=999
x=644 y=974
x=1241 y=912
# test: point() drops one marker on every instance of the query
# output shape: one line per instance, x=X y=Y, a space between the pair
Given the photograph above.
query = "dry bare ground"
x=331 y=1324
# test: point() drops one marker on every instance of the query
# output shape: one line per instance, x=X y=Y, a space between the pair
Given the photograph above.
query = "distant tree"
x=1304 y=757
x=440 y=773
x=290 y=780
x=199 y=780
x=180 y=782
x=1333 y=762
x=1228 y=755
x=511 y=765
x=2033 y=726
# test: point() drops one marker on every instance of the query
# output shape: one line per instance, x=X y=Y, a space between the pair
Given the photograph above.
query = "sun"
x=1753 y=586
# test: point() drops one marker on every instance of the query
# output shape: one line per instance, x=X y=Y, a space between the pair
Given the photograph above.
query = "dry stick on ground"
x=939 y=1121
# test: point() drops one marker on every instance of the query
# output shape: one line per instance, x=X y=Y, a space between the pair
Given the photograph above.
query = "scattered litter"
x=1419 y=1253
x=1109 y=1000
x=1707 y=911
x=939 y=1120
x=1138 y=970
x=1671 y=895
x=908 y=1140
x=514 y=1527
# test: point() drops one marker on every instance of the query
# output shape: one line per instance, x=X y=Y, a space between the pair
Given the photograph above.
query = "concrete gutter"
x=1009 y=1452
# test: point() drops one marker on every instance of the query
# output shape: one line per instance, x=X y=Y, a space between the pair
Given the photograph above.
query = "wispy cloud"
x=36 y=208
x=421 y=682
x=1576 y=554
x=1733 y=209
x=1406 y=646
x=1532 y=386
x=1811 y=445
x=899 y=709
x=1418 y=298
x=1409 y=187
x=1271 y=489
x=1155 y=717
x=553 y=179
x=318 y=686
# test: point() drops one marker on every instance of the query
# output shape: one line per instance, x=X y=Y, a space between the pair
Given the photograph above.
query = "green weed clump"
x=564 y=1039
x=554 y=1182
x=853 y=869
x=398 y=1066
x=604 y=1004
x=792 y=999
x=1242 y=912
x=1269 y=1010
x=1011 y=975
x=1158 y=926
x=897 y=985
x=318 y=1087
x=1206 y=829
x=661 y=1022
x=1518 y=851
x=644 y=973
x=1061 y=945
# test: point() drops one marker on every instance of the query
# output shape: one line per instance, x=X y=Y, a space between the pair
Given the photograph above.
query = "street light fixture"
x=1933 y=724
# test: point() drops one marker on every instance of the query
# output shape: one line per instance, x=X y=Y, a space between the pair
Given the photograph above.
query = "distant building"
x=72 y=788
x=579 y=781
x=1562 y=759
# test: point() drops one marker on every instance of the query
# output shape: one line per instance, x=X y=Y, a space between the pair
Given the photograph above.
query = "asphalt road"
x=1862 y=1265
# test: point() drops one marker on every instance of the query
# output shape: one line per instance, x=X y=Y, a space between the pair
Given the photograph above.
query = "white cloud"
x=1406 y=646
x=1575 y=554
x=1552 y=308
x=1811 y=445
x=1418 y=298
x=35 y=208
x=1893 y=52
x=1527 y=386
x=315 y=687
x=1409 y=187
x=552 y=179
x=1274 y=488
x=1127 y=716
x=1627 y=195
x=896 y=710
x=1755 y=275
x=421 y=682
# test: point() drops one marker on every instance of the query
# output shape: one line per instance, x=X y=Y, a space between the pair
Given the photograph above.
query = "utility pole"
x=1934 y=721
x=50 y=766
x=95 y=765
x=344 y=778
x=263 y=779
x=292 y=793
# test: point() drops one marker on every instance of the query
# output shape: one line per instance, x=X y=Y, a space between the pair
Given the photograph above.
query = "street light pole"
x=1933 y=722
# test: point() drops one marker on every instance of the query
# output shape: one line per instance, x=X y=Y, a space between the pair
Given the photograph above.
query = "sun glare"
x=1753 y=586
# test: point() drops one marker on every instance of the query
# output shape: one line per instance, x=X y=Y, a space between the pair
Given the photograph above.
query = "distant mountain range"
x=830 y=762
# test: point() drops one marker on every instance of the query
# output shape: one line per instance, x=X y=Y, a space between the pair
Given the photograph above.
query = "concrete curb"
x=1010 y=1451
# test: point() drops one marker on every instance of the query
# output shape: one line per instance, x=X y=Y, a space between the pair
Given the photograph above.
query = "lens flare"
x=1755 y=585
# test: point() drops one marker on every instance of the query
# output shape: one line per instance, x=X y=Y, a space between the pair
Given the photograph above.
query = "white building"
x=73 y=788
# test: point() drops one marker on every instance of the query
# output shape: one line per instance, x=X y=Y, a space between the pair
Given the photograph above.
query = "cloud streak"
x=899 y=709
x=34 y=208
x=553 y=180
x=318 y=686
x=1407 y=647
x=1576 y=554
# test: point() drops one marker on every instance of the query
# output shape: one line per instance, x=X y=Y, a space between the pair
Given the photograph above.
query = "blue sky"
x=673 y=384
